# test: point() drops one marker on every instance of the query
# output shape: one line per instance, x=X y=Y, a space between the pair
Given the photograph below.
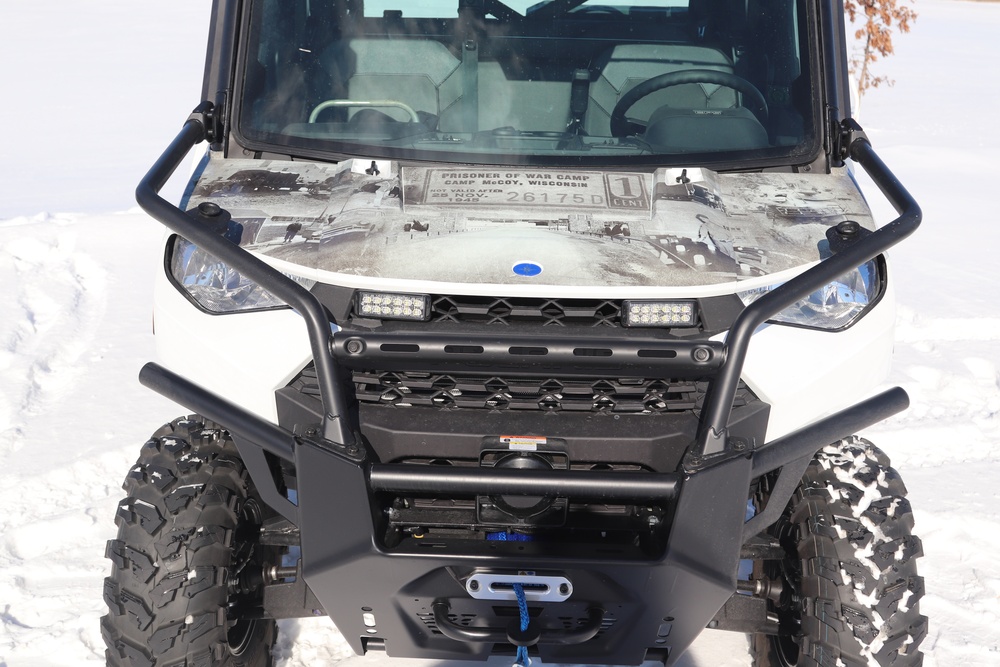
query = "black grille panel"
x=486 y=392
x=467 y=620
x=526 y=310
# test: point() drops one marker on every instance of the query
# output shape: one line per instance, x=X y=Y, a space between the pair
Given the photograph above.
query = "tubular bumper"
x=330 y=371
x=589 y=485
x=340 y=544
x=347 y=569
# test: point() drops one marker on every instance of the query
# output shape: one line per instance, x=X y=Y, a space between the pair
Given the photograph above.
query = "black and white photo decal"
x=500 y=225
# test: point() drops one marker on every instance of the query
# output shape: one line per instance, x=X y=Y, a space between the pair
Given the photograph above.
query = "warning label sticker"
x=542 y=188
x=528 y=443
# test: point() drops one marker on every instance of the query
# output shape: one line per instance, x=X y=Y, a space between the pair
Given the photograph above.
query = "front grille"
x=526 y=310
x=487 y=392
x=465 y=620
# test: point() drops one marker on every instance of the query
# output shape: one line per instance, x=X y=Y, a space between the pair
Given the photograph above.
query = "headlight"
x=214 y=285
x=837 y=305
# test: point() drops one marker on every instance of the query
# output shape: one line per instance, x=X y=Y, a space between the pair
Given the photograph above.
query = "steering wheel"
x=620 y=126
x=606 y=10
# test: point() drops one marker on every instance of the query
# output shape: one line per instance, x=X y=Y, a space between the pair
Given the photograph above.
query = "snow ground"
x=76 y=326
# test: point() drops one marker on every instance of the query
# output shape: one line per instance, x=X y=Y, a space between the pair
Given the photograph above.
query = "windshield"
x=551 y=82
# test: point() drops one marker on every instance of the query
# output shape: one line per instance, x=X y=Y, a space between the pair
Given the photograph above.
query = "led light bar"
x=386 y=306
x=659 y=314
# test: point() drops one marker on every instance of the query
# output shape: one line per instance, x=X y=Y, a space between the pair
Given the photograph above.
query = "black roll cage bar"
x=719 y=401
x=338 y=431
x=318 y=319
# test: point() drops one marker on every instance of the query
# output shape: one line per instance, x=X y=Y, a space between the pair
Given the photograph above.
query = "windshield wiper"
x=500 y=11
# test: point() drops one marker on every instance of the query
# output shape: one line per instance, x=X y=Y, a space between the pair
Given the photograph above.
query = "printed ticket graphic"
x=535 y=188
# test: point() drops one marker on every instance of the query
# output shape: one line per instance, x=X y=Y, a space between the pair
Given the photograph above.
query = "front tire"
x=851 y=588
x=185 y=587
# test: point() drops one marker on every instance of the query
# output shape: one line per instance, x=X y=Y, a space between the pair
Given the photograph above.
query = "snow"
x=77 y=259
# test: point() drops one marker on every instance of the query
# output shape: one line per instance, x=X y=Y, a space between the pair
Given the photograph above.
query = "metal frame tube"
x=232 y=417
x=806 y=440
x=505 y=353
x=719 y=402
x=472 y=481
x=317 y=319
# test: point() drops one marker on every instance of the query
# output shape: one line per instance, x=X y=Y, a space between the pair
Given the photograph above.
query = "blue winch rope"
x=506 y=536
x=522 y=659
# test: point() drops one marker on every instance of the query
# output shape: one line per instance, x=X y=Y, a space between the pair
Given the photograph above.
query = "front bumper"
x=652 y=603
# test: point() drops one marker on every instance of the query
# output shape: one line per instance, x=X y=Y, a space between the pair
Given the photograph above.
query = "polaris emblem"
x=529 y=269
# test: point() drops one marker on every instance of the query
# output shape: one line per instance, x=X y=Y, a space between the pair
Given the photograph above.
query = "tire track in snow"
x=54 y=303
x=944 y=446
x=951 y=369
x=911 y=327
x=52 y=531
x=66 y=431
x=61 y=296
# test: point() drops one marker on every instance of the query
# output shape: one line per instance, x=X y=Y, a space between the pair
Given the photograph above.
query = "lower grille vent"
x=460 y=391
x=466 y=620
x=500 y=393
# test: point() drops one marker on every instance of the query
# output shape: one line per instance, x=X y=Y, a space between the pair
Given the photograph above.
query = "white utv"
x=537 y=331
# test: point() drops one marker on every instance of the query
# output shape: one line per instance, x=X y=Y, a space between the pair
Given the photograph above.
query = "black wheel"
x=186 y=580
x=850 y=588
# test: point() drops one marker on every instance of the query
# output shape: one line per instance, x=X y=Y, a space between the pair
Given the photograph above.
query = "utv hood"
x=364 y=222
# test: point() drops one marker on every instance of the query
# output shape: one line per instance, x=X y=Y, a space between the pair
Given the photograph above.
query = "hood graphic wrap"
x=508 y=226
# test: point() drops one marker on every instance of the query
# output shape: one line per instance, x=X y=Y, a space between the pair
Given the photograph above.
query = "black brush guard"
x=410 y=601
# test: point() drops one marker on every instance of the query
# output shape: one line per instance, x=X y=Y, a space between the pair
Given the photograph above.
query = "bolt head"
x=209 y=209
x=848 y=229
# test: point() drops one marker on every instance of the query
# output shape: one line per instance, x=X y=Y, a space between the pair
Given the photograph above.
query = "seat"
x=525 y=104
x=417 y=72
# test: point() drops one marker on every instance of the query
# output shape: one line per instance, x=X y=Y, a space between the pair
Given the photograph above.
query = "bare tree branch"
x=876 y=18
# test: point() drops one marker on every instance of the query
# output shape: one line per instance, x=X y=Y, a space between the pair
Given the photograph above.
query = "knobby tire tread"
x=859 y=587
x=168 y=590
